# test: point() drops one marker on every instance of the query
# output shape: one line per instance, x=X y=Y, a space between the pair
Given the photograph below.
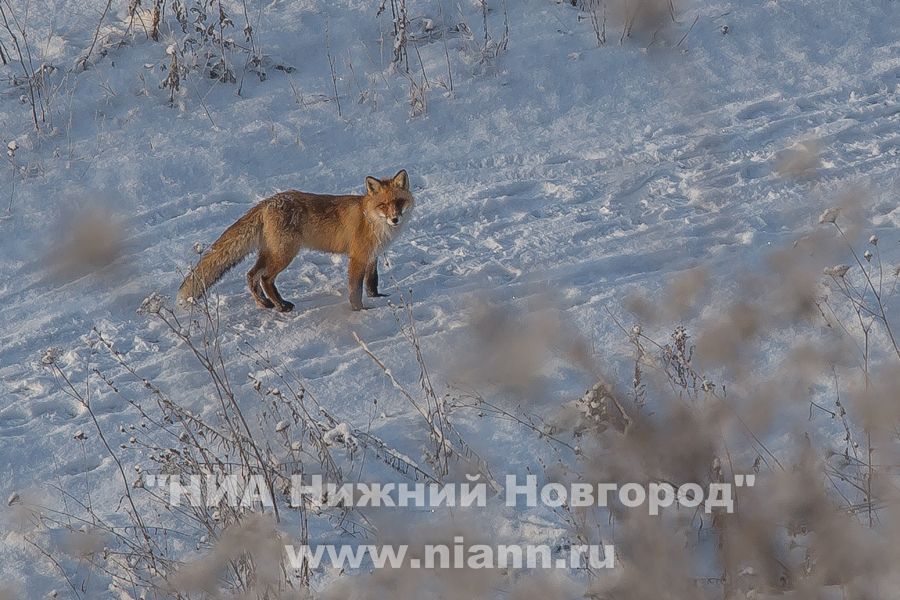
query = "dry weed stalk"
x=239 y=548
x=449 y=445
x=33 y=76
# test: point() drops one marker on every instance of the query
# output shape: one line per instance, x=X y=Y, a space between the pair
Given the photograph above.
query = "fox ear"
x=373 y=186
x=401 y=180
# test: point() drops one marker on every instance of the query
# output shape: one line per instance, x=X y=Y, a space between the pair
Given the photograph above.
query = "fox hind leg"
x=281 y=305
x=273 y=268
x=253 y=282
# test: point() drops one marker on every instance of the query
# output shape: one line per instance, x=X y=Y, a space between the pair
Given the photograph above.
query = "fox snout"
x=395 y=217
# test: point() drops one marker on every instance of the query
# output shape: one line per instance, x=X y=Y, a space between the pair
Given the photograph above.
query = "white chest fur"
x=385 y=232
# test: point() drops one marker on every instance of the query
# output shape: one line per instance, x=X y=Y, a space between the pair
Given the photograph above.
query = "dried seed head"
x=151 y=305
x=830 y=215
x=836 y=271
x=50 y=356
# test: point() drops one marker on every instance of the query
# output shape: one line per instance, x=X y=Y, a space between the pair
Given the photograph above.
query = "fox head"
x=389 y=200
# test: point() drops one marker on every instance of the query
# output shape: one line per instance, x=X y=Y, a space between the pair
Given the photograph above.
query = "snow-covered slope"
x=556 y=173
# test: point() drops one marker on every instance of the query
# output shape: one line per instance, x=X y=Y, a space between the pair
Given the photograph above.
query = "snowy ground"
x=556 y=173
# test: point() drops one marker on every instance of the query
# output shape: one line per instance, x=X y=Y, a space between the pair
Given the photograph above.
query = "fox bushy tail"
x=239 y=240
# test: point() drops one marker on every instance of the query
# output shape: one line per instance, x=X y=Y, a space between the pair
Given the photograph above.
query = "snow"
x=555 y=174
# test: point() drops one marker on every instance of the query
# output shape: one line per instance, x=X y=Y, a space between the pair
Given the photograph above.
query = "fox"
x=278 y=227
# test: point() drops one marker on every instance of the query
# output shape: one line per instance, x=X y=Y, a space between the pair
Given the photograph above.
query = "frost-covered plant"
x=869 y=293
x=176 y=71
x=206 y=23
x=233 y=548
x=32 y=76
x=491 y=48
x=596 y=9
x=206 y=39
x=400 y=24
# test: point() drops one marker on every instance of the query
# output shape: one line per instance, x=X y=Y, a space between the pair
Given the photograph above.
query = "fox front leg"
x=372 y=280
x=357 y=273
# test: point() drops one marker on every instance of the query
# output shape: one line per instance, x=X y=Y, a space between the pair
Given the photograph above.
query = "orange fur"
x=278 y=227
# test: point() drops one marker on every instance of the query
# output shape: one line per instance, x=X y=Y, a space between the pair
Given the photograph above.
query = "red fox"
x=279 y=226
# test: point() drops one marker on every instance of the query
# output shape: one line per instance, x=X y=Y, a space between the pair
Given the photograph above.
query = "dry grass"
x=703 y=405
